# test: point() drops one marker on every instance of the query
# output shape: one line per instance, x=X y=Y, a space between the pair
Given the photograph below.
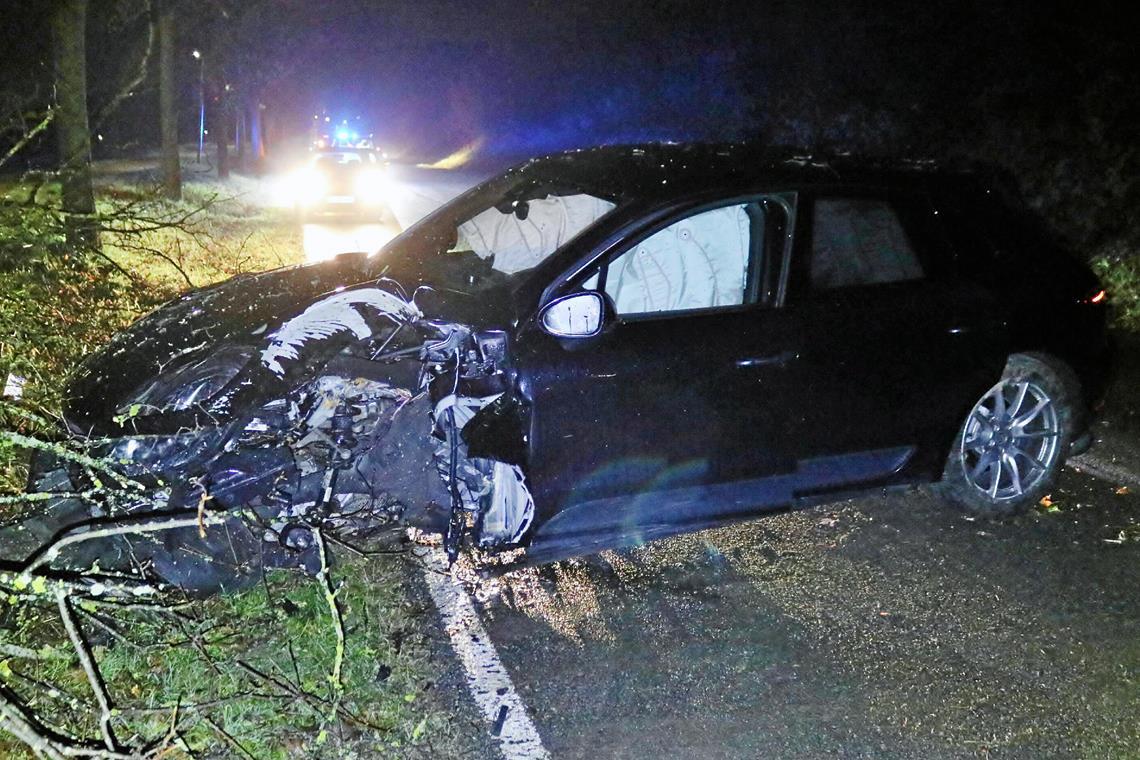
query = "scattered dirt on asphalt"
x=887 y=626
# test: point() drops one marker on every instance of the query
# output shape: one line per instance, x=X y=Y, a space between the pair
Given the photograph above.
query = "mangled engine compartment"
x=358 y=417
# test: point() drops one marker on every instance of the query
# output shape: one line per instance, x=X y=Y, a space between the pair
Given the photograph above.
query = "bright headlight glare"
x=306 y=187
x=372 y=186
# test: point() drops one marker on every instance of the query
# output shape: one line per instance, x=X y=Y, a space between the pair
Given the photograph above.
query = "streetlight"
x=201 y=102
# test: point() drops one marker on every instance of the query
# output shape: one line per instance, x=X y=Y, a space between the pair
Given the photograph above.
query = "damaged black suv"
x=603 y=347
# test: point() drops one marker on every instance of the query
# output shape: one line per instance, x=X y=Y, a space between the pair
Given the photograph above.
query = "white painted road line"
x=1098 y=468
x=487 y=678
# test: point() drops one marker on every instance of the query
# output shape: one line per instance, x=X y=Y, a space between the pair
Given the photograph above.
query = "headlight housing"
x=189 y=386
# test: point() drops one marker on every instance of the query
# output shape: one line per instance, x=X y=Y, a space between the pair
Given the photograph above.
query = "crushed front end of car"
x=349 y=399
x=349 y=417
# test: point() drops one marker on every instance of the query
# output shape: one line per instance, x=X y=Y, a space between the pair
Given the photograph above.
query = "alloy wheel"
x=1011 y=439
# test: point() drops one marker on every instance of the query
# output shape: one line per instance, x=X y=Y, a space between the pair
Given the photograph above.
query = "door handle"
x=773 y=360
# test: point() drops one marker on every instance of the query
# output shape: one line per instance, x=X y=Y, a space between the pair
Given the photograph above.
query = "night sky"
x=526 y=77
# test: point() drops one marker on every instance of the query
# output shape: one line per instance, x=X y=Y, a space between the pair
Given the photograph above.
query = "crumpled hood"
x=245 y=310
x=242 y=310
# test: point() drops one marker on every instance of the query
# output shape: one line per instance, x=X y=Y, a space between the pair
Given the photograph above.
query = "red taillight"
x=1097 y=297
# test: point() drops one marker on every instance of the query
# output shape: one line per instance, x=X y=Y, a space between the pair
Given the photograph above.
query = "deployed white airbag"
x=696 y=263
x=520 y=244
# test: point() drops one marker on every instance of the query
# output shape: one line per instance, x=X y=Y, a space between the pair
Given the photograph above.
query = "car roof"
x=655 y=169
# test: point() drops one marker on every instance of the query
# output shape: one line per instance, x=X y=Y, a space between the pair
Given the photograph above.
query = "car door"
x=689 y=386
x=889 y=361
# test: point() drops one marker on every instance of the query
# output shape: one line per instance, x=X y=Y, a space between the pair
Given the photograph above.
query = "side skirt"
x=615 y=522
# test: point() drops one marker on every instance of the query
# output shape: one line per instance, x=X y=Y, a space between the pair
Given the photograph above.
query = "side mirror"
x=578 y=315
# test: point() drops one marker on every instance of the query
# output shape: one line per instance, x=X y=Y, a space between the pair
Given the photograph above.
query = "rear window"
x=859 y=241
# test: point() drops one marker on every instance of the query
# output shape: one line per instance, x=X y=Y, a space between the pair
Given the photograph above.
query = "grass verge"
x=247 y=674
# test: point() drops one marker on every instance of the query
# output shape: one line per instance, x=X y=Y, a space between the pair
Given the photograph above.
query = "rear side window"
x=859 y=241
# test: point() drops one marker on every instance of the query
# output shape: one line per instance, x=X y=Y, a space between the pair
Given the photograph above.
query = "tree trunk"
x=221 y=130
x=168 y=114
x=69 y=30
x=240 y=136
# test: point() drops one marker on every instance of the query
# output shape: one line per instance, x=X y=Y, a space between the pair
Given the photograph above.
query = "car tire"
x=1012 y=445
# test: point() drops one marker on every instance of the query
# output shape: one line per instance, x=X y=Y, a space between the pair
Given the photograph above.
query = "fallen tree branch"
x=51 y=551
x=26 y=442
x=26 y=729
x=47 y=742
x=19 y=410
x=94 y=677
x=38 y=496
x=30 y=135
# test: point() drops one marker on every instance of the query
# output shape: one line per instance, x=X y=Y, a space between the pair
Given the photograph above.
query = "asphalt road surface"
x=413 y=193
x=882 y=627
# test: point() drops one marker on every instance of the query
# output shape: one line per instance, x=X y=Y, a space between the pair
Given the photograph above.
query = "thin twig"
x=227 y=736
x=197 y=643
x=168 y=741
x=201 y=705
x=314 y=703
x=122 y=270
x=128 y=88
x=202 y=499
x=38 y=496
x=109 y=628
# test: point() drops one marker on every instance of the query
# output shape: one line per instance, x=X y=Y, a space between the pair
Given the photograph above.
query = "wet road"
x=413 y=192
x=884 y=627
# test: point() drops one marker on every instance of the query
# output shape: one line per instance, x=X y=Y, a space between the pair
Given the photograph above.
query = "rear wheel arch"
x=1074 y=388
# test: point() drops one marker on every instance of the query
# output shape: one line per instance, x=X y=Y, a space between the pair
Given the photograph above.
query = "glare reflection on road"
x=324 y=241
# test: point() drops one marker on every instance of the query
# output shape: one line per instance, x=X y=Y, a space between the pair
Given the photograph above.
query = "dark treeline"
x=1048 y=92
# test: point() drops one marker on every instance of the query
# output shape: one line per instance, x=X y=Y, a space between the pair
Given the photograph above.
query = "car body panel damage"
x=494 y=492
x=498 y=430
x=827 y=325
x=331 y=315
x=330 y=424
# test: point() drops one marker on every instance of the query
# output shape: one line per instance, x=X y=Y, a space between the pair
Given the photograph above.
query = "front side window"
x=716 y=257
x=859 y=241
x=697 y=263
